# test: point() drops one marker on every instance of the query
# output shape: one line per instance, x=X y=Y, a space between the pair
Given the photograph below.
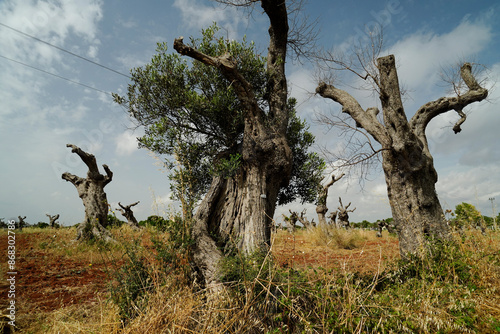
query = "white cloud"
x=126 y=143
x=421 y=56
x=197 y=16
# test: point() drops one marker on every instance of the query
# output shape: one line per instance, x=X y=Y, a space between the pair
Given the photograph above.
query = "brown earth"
x=49 y=279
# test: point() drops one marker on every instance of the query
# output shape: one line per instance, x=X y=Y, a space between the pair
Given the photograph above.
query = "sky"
x=40 y=112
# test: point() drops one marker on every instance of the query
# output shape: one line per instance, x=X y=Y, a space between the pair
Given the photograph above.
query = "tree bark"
x=321 y=208
x=407 y=163
x=91 y=191
x=236 y=214
x=127 y=212
x=52 y=220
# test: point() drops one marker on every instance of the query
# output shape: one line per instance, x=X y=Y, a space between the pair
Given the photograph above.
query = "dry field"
x=63 y=286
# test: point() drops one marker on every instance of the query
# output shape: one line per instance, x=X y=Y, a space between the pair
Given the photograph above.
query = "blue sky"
x=41 y=113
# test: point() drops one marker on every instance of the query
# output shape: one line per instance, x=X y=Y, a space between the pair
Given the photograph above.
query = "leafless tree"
x=321 y=208
x=304 y=220
x=52 y=220
x=21 y=223
x=401 y=142
x=91 y=191
x=343 y=214
x=333 y=218
x=127 y=212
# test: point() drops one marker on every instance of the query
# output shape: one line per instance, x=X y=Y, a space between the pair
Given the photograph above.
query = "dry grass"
x=457 y=293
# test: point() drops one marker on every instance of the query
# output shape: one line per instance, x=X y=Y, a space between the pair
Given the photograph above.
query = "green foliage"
x=466 y=216
x=175 y=255
x=307 y=168
x=158 y=222
x=41 y=225
x=191 y=112
x=227 y=167
x=113 y=221
x=131 y=282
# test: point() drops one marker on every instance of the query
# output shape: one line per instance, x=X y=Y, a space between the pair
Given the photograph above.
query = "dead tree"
x=304 y=221
x=91 y=191
x=321 y=208
x=333 y=218
x=52 y=220
x=21 y=223
x=406 y=160
x=127 y=212
x=343 y=214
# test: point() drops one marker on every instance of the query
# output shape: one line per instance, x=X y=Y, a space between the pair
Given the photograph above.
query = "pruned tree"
x=333 y=218
x=52 y=220
x=21 y=222
x=343 y=214
x=304 y=220
x=406 y=160
x=230 y=109
x=91 y=191
x=127 y=212
x=321 y=208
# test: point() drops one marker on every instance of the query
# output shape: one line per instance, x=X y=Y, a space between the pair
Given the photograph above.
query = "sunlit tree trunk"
x=91 y=191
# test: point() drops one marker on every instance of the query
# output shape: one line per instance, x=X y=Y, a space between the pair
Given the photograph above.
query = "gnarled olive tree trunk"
x=91 y=191
x=407 y=163
x=237 y=211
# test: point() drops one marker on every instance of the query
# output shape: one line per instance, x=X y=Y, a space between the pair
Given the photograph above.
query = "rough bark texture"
x=321 y=208
x=407 y=163
x=127 y=212
x=237 y=211
x=91 y=191
x=52 y=220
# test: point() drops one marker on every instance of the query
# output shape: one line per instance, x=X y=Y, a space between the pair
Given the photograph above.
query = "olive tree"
x=406 y=160
x=91 y=191
x=226 y=113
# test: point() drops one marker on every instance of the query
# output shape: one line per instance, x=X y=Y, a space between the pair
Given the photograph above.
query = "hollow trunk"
x=414 y=202
x=236 y=214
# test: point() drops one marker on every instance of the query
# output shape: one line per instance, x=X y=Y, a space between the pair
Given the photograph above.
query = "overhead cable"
x=56 y=75
x=64 y=50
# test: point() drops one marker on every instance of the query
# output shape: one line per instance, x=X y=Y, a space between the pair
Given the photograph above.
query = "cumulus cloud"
x=126 y=143
x=421 y=56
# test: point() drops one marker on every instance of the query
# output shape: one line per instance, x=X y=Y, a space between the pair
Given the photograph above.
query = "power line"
x=56 y=75
x=64 y=50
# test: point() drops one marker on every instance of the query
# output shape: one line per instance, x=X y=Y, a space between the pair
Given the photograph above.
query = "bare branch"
x=87 y=158
x=109 y=175
x=366 y=119
x=75 y=180
x=442 y=105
